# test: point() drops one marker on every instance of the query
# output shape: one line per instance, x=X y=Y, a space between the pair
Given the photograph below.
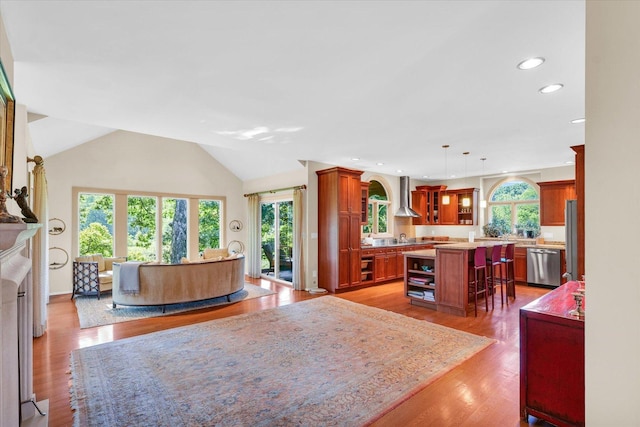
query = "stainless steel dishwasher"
x=543 y=267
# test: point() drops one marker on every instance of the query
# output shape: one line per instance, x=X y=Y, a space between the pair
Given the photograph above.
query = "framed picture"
x=7 y=116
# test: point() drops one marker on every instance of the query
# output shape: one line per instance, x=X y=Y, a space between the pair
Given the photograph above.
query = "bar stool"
x=509 y=270
x=476 y=286
x=492 y=263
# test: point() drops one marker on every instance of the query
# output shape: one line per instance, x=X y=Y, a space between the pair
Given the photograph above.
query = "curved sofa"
x=163 y=284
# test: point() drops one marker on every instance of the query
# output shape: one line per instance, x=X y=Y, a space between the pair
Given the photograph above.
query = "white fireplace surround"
x=16 y=324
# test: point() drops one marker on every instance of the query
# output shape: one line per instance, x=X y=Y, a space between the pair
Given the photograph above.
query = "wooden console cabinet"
x=552 y=359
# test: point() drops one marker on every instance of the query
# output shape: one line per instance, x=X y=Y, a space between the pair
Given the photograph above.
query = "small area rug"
x=319 y=362
x=97 y=312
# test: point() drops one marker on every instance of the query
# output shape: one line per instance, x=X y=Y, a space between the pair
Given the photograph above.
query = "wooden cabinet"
x=468 y=206
x=420 y=278
x=449 y=213
x=579 y=150
x=553 y=195
x=552 y=359
x=520 y=264
x=425 y=200
x=339 y=221
x=385 y=264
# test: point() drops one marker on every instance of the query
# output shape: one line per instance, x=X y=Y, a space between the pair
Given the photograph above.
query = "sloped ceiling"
x=262 y=85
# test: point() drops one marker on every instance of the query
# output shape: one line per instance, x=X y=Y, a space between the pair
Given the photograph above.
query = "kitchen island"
x=451 y=262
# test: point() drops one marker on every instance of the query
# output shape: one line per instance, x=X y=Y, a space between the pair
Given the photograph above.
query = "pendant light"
x=483 y=202
x=466 y=200
x=445 y=197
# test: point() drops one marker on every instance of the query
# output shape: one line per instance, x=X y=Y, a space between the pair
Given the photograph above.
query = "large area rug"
x=97 y=312
x=320 y=362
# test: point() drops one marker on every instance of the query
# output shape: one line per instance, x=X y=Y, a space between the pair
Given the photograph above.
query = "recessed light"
x=379 y=164
x=576 y=121
x=425 y=176
x=355 y=159
x=568 y=162
x=551 y=88
x=399 y=171
x=530 y=63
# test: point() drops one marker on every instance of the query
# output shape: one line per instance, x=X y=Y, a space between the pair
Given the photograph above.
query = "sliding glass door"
x=277 y=239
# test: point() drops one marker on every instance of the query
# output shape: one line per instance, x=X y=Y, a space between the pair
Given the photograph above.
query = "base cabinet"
x=520 y=264
x=552 y=359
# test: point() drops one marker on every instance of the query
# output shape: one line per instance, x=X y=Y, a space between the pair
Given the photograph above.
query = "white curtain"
x=254 y=250
x=298 y=243
x=40 y=250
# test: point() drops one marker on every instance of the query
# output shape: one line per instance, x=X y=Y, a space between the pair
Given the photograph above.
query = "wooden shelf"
x=422 y=294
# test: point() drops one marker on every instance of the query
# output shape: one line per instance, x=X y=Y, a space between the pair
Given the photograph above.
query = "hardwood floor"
x=484 y=391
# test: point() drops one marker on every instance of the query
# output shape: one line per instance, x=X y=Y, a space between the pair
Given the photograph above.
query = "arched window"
x=379 y=204
x=514 y=206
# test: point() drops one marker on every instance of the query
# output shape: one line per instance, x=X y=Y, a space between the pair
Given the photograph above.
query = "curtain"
x=298 y=236
x=254 y=254
x=40 y=250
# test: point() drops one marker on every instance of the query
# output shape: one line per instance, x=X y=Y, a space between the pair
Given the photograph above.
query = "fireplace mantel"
x=16 y=319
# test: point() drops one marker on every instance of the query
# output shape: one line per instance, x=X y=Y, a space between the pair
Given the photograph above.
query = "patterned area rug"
x=97 y=312
x=320 y=362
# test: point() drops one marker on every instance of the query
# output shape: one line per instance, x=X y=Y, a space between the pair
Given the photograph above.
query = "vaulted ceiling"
x=263 y=85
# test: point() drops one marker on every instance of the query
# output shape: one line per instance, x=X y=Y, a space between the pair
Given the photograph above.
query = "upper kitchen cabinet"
x=425 y=200
x=462 y=208
x=339 y=221
x=553 y=195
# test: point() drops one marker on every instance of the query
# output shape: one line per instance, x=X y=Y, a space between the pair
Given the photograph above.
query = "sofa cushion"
x=215 y=253
x=100 y=260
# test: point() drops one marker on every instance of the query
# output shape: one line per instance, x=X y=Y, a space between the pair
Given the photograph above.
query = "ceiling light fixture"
x=466 y=200
x=576 y=121
x=355 y=159
x=445 y=197
x=530 y=63
x=483 y=202
x=551 y=88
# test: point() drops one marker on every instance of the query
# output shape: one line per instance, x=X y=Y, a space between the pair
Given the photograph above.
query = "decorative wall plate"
x=56 y=226
x=58 y=258
x=235 y=246
x=235 y=225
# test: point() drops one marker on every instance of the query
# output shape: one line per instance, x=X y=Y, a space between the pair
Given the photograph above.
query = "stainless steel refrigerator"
x=571 y=239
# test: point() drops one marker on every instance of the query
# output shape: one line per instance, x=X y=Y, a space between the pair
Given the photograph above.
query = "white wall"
x=129 y=161
x=612 y=200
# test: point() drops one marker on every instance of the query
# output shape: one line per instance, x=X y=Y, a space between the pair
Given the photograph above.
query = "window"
x=209 y=224
x=157 y=228
x=378 y=220
x=95 y=224
x=174 y=229
x=515 y=206
x=141 y=228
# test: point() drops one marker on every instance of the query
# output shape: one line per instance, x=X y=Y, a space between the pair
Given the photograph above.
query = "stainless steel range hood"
x=405 y=208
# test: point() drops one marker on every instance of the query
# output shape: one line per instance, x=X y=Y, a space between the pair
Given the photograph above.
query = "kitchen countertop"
x=395 y=245
x=463 y=244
